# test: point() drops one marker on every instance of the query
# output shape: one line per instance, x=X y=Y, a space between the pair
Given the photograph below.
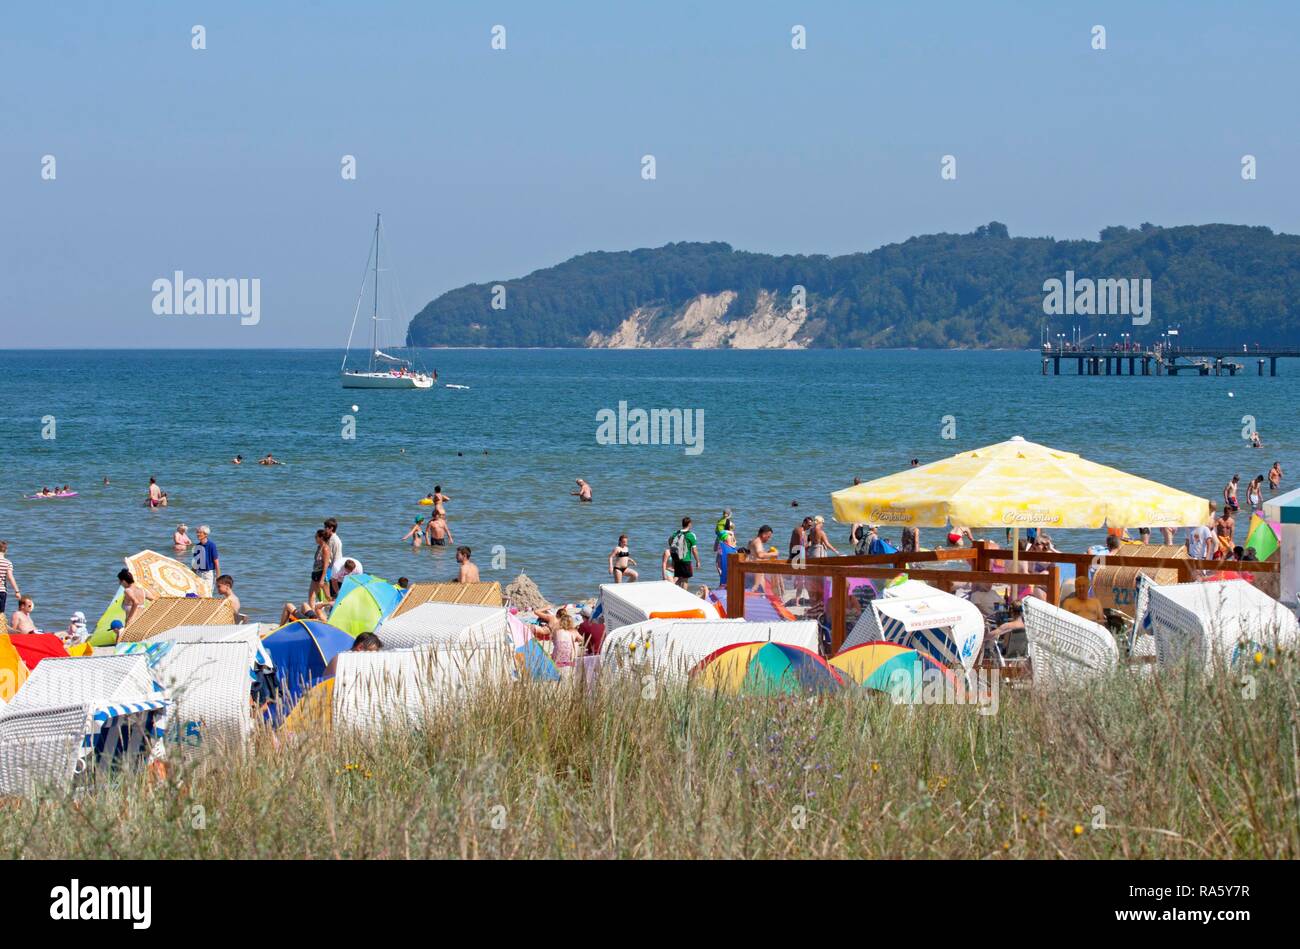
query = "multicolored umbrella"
x=163 y=576
x=897 y=670
x=363 y=601
x=765 y=667
x=1264 y=536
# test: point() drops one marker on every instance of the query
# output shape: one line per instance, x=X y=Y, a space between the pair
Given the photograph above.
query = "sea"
x=780 y=431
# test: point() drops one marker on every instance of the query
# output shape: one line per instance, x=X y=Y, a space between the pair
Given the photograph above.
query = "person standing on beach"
x=621 y=562
x=7 y=578
x=760 y=548
x=320 y=566
x=726 y=547
x=468 y=569
x=205 y=561
x=584 y=491
x=818 y=539
x=1224 y=528
x=682 y=547
x=133 y=596
x=226 y=589
x=1275 y=476
x=335 y=565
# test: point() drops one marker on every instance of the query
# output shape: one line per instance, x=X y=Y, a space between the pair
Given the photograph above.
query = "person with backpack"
x=682 y=549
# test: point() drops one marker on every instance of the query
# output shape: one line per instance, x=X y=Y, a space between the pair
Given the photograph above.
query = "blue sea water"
x=778 y=427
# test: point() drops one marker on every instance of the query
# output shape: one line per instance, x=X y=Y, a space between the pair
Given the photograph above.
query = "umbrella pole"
x=1015 y=562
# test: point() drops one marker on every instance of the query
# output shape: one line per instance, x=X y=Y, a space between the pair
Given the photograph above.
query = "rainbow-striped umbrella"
x=765 y=667
x=897 y=670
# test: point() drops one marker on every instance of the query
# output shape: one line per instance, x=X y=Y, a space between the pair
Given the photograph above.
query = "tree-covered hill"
x=1221 y=284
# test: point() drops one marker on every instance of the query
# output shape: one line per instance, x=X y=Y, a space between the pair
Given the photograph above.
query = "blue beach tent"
x=301 y=651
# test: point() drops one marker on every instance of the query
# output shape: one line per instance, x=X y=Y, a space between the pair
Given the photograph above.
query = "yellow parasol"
x=163 y=576
x=1017 y=484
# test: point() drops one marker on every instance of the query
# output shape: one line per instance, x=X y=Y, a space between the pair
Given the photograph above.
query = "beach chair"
x=1213 y=624
x=398 y=688
x=122 y=717
x=445 y=624
x=1065 y=649
x=40 y=749
x=210 y=684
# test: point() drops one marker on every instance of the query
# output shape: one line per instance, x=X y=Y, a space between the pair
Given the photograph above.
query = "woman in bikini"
x=621 y=561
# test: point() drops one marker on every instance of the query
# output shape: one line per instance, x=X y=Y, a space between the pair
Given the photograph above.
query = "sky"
x=225 y=162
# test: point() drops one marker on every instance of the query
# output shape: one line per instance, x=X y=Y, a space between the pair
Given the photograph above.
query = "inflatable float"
x=42 y=497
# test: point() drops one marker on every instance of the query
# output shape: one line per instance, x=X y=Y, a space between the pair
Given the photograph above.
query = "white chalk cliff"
x=704 y=323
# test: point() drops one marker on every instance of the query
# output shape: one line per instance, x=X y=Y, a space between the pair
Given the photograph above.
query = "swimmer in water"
x=438 y=500
x=416 y=534
x=181 y=540
x=269 y=460
x=439 y=533
x=237 y=460
x=584 y=491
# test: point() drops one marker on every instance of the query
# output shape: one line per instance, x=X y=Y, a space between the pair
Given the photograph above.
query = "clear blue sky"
x=487 y=165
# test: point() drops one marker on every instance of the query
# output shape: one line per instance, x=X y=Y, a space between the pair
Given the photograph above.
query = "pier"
x=1161 y=360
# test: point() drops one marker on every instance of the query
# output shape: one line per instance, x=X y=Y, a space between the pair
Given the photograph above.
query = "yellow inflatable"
x=426 y=500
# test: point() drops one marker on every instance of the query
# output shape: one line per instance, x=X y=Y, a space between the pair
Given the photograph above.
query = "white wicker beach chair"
x=210 y=685
x=673 y=648
x=1065 y=649
x=123 y=714
x=40 y=749
x=445 y=624
x=398 y=688
x=1213 y=624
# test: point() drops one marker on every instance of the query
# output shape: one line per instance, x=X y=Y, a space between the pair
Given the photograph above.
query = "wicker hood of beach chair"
x=1064 y=649
x=158 y=616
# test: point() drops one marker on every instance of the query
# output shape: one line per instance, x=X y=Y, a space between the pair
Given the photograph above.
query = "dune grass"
x=1165 y=766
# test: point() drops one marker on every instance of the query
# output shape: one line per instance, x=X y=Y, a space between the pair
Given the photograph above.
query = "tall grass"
x=1163 y=766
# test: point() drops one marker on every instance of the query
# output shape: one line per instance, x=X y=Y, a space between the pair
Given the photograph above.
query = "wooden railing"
x=980 y=558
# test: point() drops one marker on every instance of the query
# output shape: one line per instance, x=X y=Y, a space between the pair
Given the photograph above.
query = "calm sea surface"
x=778 y=427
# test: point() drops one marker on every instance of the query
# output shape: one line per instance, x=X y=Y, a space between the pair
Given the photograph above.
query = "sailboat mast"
x=374 y=319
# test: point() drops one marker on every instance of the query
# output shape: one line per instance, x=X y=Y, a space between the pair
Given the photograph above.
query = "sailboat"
x=383 y=370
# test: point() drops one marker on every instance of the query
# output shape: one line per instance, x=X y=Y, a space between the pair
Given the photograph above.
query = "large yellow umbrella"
x=1017 y=484
x=163 y=576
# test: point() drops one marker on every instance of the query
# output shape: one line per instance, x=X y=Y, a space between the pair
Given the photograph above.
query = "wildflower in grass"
x=1078 y=830
x=875 y=767
x=1259 y=657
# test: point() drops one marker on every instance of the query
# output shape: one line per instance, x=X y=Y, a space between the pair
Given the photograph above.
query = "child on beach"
x=226 y=590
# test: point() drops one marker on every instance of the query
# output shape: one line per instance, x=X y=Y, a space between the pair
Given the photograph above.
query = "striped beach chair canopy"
x=117 y=696
x=939 y=624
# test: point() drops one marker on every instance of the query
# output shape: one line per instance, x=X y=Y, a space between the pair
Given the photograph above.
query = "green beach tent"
x=363 y=601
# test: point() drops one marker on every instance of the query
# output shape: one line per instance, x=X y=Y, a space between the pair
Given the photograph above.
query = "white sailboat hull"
x=386 y=380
